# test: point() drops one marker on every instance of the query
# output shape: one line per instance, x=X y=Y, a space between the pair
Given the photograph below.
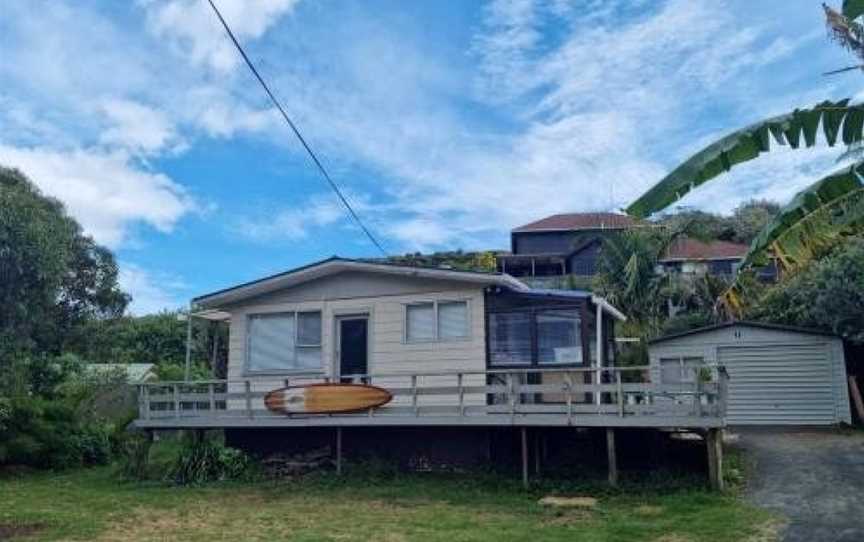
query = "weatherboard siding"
x=777 y=377
x=389 y=353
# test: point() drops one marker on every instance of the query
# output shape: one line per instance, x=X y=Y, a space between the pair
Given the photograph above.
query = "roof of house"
x=334 y=265
x=687 y=248
x=581 y=221
x=135 y=372
x=745 y=323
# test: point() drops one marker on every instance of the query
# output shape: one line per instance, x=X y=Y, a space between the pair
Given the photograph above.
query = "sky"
x=445 y=123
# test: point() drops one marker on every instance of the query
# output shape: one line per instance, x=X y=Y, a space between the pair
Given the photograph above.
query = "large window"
x=436 y=321
x=559 y=337
x=284 y=342
x=510 y=338
x=536 y=337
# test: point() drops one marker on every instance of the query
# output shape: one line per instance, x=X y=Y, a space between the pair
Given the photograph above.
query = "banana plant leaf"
x=853 y=8
x=816 y=219
x=837 y=120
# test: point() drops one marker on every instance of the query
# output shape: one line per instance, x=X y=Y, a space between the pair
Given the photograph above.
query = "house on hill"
x=561 y=245
x=692 y=257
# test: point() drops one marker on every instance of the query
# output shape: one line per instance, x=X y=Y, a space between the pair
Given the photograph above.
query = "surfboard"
x=326 y=398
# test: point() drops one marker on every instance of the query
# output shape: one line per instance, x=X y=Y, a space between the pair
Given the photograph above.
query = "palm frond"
x=838 y=120
x=816 y=219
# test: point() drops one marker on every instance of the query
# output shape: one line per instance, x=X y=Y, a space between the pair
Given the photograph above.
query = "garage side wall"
x=777 y=377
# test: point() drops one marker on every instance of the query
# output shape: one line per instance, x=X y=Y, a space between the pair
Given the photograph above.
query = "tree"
x=52 y=276
x=828 y=295
x=818 y=217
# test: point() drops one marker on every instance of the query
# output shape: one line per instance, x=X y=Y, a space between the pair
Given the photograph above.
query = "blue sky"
x=446 y=123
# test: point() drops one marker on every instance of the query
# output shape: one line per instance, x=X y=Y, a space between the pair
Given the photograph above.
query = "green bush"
x=46 y=433
x=206 y=460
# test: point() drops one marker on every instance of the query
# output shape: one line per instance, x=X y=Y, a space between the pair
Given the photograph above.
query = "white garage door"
x=779 y=385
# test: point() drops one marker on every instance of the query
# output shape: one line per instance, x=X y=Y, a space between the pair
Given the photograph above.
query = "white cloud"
x=150 y=293
x=137 y=127
x=289 y=224
x=193 y=27
x=103 y=190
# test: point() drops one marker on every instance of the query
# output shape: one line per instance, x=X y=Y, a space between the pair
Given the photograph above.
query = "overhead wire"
x=277 y=103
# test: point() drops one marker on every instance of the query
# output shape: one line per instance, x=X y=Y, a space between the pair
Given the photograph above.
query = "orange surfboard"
x=326 y=398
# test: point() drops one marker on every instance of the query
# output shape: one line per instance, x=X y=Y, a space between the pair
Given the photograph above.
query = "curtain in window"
x=420 y=322
x=271 y=342
x=510 y=338
x=559 y=337
x=452 y=320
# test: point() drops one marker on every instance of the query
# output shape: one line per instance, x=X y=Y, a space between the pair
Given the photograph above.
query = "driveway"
x=814 y=478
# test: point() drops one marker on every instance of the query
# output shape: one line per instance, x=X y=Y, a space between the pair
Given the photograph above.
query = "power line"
x=297 y=133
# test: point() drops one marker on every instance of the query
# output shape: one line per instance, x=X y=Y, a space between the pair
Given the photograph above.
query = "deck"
x=623 y=397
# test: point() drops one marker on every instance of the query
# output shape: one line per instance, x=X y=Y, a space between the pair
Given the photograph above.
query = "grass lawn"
x=93 y=504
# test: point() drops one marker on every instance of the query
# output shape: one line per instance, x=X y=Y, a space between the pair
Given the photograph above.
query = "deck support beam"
x=714 y=443
x=611 y=457
x=339 y=451
x=524 y=457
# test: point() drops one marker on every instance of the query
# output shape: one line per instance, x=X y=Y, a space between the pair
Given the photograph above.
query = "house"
x=690 y=257
x=778 y=375
x=562 y=244
x=134 y=373
x=463 y=354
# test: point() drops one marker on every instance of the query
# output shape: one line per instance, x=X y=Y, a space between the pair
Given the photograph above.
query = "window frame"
x=247 y=367
x=686 y=377
x=579 y=308
x=436 y=338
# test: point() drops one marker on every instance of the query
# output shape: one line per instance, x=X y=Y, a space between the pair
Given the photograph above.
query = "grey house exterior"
x=778 y=375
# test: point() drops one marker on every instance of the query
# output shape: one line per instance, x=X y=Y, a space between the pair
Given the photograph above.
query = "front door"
x=353 y=348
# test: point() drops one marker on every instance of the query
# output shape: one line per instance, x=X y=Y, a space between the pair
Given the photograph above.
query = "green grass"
x=94 y=505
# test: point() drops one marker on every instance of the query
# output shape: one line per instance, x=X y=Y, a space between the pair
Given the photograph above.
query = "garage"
x=778 y=375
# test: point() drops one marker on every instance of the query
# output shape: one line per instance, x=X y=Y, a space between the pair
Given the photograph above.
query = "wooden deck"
x=518 y=397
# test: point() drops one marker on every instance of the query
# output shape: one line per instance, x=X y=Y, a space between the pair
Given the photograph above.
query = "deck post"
x=599 y=348
x=339 y=451
x=714 y=442
x=176 y=394
x=537 y=454
x=524 y=457
x=610 y=453
x=248 y=391
x=210 y=393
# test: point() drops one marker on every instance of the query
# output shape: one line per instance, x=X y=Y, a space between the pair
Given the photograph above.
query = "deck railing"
x=556 y=396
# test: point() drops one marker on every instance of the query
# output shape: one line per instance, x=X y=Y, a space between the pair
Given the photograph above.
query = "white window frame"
x=248 y=371
x=436 y=338
x=687 y=377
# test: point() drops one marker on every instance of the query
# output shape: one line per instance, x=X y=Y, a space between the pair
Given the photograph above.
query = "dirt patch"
x=649 y=510
x=569 y=502
x=673 y=538
x=12 y=531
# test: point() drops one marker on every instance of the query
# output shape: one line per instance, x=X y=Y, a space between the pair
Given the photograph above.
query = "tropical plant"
x=818 y=217
x=828 y=295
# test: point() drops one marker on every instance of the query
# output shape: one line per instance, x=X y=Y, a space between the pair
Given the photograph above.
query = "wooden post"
x=714 y=442
x=610 y=453
x=855 y=392
x=524 y=458
x=620 y=386
x=414 y=395
x=176 y=394
x=211 y=392
x=339 y=450
x=568 y=379
x=600 y=350
x=461 y=395
x=248 y=390
x=537 y=453
x=145 y=392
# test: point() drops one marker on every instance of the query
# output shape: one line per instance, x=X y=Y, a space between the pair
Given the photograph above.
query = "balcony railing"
x=611 y=396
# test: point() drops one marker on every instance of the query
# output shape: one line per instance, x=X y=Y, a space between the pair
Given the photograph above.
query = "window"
x=559 y=337
x=510 y=338
x=680 y=370
x=436 y=321
x=287 y=341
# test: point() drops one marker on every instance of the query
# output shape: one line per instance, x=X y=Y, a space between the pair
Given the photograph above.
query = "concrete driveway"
x=813 y=478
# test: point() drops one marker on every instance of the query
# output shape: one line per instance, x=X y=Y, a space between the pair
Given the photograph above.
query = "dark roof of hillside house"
x=686 y=248
x=581 y=221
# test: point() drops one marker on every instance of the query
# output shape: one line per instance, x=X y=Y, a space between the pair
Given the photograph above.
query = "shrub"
x=206 y=460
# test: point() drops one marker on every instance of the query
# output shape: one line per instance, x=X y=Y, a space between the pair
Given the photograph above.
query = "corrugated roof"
x=686 y=248
x=745 y=323
x=581 y=221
